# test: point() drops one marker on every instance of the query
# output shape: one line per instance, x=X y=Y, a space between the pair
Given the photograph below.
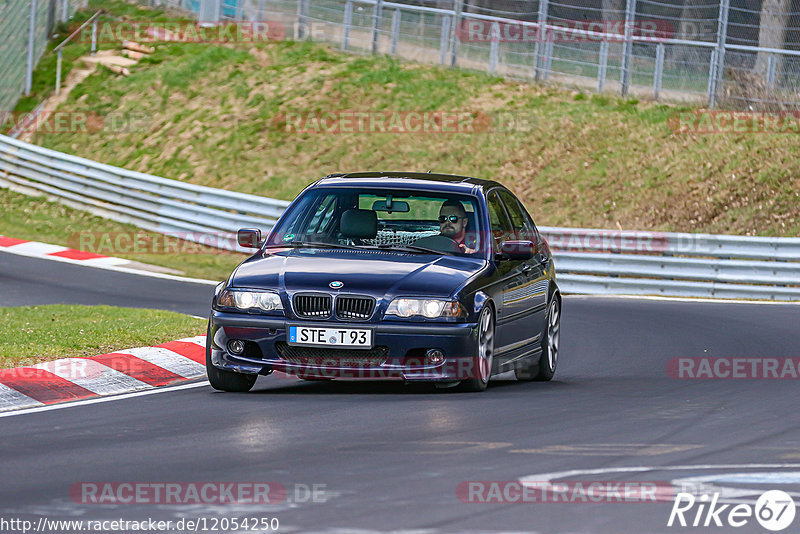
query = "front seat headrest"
x=361 y=224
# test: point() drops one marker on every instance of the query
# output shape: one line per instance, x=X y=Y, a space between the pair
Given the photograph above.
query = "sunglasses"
x=451 y=218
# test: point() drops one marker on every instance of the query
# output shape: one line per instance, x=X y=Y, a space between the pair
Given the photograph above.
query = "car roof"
x=407 y=180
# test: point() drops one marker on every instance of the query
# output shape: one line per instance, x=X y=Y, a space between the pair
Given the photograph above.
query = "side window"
x=520 y=220
x=501 y=227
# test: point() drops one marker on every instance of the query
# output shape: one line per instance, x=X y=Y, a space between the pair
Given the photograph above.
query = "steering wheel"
x=438 y=242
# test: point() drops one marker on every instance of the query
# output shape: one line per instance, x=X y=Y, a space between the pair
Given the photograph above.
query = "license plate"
x=330 y=337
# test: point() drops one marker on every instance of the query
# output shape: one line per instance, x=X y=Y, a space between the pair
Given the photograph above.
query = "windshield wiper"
x=409 y=248
x=320 y=244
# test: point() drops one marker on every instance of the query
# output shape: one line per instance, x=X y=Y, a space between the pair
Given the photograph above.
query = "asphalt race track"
x=388 y=458
x=26 y=281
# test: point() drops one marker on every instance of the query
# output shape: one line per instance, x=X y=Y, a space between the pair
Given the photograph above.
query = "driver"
x=453 y=224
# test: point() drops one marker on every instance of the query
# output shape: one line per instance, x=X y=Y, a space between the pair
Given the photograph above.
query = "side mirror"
x=249 y=237
x=517 y=250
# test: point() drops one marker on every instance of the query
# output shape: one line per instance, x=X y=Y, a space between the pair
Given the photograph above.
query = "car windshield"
x=404 y=220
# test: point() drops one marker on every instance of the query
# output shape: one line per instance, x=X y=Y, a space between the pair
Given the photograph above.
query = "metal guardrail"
x=193 y=212
x=588 y=261
x=673 y=244
x=607 y=285
x=675 y=264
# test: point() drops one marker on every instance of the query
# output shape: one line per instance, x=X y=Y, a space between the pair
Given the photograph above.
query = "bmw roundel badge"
x=336 y=284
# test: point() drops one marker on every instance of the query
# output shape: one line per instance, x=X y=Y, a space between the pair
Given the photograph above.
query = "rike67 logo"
x=774 y=510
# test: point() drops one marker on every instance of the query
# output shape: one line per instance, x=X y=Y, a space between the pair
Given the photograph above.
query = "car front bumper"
x=399 y=353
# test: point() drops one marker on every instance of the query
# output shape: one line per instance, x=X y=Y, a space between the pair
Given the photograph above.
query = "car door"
x=530 y=296
x=509 y=280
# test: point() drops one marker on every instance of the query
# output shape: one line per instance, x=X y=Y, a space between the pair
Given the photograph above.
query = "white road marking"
x=108 y=260
x=197 y=340
x=789 y=477
x=546 y=477
x=11 y=398
x=97 y=400
x=610 y=449
x=734 y=495
x=707 y=484
x=93 y=375
x=35 y=248
x=169 y=360
x=85 y=263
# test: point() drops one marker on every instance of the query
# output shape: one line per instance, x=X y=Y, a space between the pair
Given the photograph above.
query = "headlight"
x=249 y=300
x=430 y=308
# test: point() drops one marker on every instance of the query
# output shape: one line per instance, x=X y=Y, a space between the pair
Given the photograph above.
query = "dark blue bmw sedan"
x=411 y=276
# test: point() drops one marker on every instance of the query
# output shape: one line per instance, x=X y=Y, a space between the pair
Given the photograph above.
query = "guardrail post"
x=602 y=66
x=395 y=29
x=772 y=64
x=94 y=37
x=347 y=22
x=719 y=63
x=444 y=39
x=494 y=37
x=29 y=65
x=541 y=37
x=627 y=47
x=458 y=8
x=58 y=73
x=659 y=71
x=377 y=14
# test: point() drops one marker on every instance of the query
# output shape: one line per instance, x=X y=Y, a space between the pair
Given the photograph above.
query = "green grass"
x=216 y=116
x=44 y=76
x=36 y=219
x=32 y=334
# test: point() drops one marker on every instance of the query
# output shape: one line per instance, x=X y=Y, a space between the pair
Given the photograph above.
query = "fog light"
x=434 y=357
x=235 y=346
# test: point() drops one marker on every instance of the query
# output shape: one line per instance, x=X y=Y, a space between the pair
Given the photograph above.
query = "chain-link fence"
x=25 y=26
x=733 y=53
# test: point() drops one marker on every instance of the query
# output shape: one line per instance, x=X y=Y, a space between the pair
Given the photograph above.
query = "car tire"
x=481 y=366
x=223 y=380
x=544 y=368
